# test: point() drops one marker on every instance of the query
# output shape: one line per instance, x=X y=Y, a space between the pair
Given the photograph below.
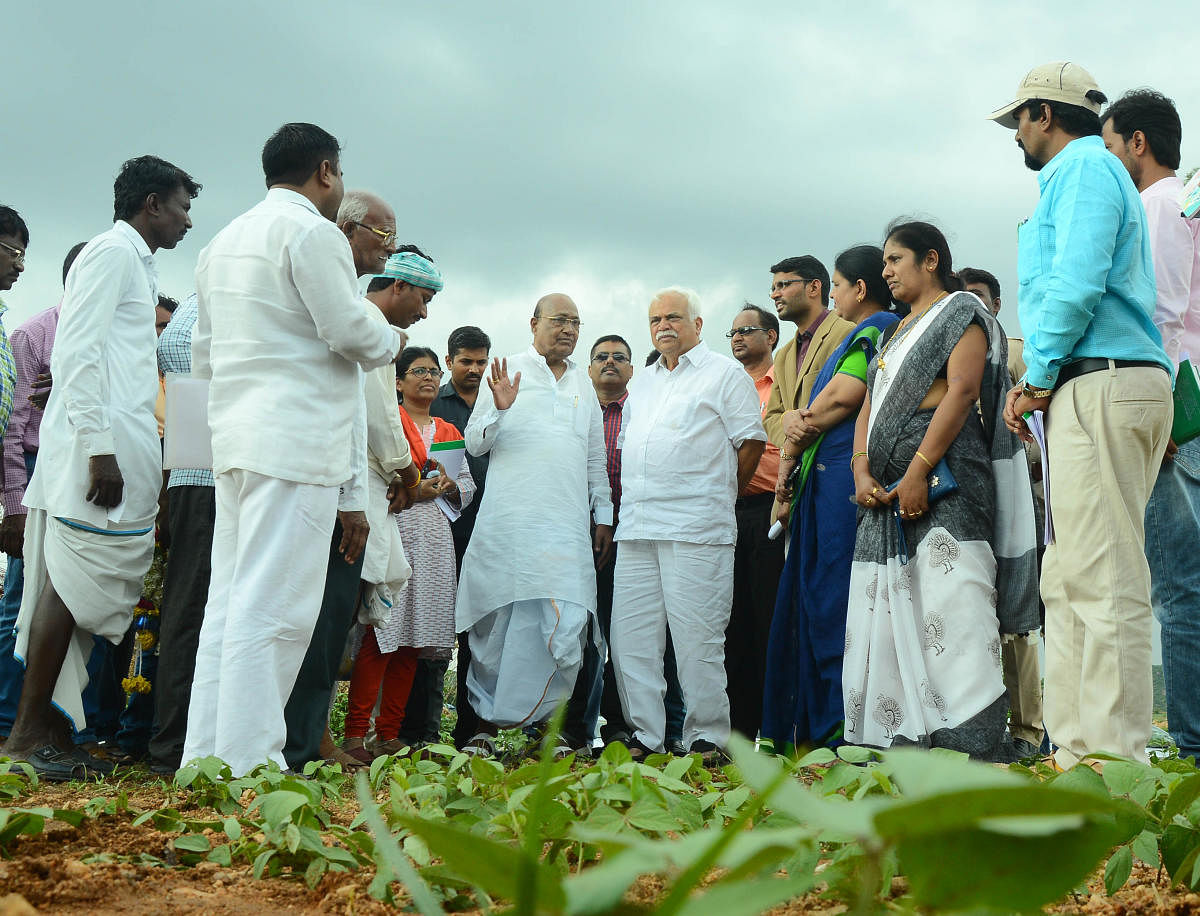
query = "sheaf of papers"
x=187 y=441
x=1036 y=422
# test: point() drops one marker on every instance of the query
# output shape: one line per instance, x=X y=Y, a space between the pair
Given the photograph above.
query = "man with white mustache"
x=692 y=436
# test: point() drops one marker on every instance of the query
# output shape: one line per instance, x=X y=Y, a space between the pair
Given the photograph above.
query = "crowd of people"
x=612 y=540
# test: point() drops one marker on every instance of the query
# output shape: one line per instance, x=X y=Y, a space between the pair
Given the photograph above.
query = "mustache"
x=665 y=335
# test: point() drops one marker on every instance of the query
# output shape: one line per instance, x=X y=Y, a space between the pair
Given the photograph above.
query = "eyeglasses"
x=385 y=235
x=18 y=255
x=560 y=321
x=602 y=357
x=424 y=372
x=748 y=329
x=784 y=284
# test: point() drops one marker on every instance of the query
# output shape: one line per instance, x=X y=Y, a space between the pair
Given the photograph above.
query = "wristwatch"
x=1036 y=393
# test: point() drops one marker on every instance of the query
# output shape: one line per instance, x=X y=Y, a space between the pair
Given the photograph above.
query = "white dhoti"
x=688 y=587
x=270 y=553
x=525 y=657
x=98 y=573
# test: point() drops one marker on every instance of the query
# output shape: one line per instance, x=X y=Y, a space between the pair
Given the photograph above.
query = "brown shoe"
x=354 y=752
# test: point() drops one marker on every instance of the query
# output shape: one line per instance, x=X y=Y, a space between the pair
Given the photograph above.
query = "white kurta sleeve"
x=80 y=354
x=484 y=426
x=1172 y=244
x=386 y=441
x=599 y=490
x=323 y=272
x=202 y=332
x=741 y=412
x=352 y=497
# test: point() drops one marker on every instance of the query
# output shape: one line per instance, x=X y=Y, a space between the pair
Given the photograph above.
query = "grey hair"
x=690 y=296
x=354 y=207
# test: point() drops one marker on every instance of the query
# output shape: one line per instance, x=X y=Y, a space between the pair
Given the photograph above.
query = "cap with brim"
x=1060 y=81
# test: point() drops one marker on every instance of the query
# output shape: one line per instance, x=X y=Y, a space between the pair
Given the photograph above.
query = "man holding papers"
x=1095 y=364
x=528 y=585
x=1142 y=129
x=281 y=332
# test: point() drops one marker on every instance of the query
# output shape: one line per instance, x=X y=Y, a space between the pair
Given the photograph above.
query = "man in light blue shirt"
x=1096 y=367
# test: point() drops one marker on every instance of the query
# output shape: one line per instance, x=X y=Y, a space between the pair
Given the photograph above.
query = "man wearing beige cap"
x=1095 y=365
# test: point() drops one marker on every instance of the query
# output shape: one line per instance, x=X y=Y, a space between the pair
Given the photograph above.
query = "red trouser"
x=372 y=668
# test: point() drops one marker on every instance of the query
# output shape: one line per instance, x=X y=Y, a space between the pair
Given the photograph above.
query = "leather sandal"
x=356 y=750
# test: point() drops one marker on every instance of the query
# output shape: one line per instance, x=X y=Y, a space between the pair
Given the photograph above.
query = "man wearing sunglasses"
x=757 y=560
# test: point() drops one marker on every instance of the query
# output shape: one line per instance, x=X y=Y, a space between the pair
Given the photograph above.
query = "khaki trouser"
x=1023 y=681
x=1107 y=432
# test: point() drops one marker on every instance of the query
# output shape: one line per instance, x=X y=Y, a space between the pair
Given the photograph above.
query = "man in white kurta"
x=528 y=583
x=89 y=535
x=692 y=435
x=281 y=328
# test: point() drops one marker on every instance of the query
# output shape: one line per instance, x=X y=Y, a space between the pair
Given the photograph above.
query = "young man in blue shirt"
x=1096 y=367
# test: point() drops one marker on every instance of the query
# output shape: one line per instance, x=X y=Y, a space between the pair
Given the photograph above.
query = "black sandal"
x=53 y=765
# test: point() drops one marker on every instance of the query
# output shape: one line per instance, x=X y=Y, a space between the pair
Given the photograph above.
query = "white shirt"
x=280 y=329
x=105 y=369
x=1175 y=244
x=680 y=432
x=546 y=479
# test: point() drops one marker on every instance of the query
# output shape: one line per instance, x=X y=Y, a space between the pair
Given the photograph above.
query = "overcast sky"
x=603 y=150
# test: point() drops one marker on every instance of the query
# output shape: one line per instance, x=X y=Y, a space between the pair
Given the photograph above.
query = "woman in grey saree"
x=935 y=584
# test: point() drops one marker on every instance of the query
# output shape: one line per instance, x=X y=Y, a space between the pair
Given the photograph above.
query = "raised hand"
x=504 y=390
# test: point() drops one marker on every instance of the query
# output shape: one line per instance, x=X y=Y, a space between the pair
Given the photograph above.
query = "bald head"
x=551 y=301
x=359 y=216
x=555 y=325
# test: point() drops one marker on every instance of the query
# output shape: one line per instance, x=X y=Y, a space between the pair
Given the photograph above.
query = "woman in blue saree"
x=802 y=699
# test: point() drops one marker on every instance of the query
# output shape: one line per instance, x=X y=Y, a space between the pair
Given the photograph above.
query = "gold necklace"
x=912 y=324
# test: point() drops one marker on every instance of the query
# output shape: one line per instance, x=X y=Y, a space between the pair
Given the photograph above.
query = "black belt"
x=1084 y=366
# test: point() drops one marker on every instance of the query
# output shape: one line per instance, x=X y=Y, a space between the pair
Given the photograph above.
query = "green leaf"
x=1121 y=776
x=1145 y=847
x=314 y=872
x=650 y=815
x=222 y=855
x=745 y=897
x=1177 y=844
x=1117 y=871
x=291 y=838
x=278 y=805
x=192 y=842
x=232 y=828
x=260 y=862
x=1181 y=798
x=679 y=767
x=852 y=753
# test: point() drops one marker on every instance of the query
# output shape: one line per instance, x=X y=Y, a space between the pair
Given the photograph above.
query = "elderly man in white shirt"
x=281 y=332
x=692 y=435
x=89 y=536
x=528 y=583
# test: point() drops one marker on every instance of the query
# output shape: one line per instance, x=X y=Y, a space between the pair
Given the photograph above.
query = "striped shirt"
x=1085 y=267
x=611 y=413
x=31 y=346
x=8 y=374
x=175 y=355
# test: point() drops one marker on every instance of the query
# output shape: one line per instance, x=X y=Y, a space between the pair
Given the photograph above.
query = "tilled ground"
x=48 y=873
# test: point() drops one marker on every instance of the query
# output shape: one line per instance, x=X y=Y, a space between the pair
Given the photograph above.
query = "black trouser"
x=191 y=515
x=423 y=714
x=757 y=566
x=307 y=710
x=467 y=724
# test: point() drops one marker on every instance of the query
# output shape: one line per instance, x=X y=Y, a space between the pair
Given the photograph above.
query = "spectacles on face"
x=601 y=357
x=386 y=236
x=744 y=332
x=424 y=372
x=17 y=254
x=561 y=321
x=784 y=284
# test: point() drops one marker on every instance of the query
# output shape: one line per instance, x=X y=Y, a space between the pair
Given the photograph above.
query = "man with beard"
x=692 y=436
x=528 y=584
x=281 y=333
x=1096 y=366
x=1143 y=130
x=93 y=497
x=800 y=291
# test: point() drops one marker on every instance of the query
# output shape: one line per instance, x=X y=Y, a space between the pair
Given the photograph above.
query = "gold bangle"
x=855 y=457
x=926 y=460
x=413 y=486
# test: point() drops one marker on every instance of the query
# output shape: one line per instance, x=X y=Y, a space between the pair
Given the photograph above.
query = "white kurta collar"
x=294 y=197
x=537 y=357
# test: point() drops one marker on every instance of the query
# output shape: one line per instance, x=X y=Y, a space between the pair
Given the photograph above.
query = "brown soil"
x=48 y=873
